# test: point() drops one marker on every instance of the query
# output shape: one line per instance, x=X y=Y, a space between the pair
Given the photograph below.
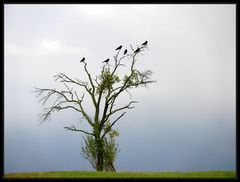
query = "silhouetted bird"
x=145 y=43
x=120 y=47
x=125 y=51
x=83 y=59
x=106 y=61
x=138 y=49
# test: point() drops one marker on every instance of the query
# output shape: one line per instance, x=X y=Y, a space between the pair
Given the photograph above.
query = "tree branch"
x=48 y=111
x=56 y=107
x=125 y=107
x=113 y=124
x=89 y=77
x=72 y=128
x=119 y=109
x=64 y=78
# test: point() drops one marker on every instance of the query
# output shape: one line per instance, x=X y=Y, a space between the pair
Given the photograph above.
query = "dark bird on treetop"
x=106 y=61
x=145 y=43
x=138 y=49
x=83 y=59
x=120 y=47
x=125 y=51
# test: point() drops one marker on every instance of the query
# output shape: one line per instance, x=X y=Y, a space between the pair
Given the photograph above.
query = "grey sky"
x=186 y=121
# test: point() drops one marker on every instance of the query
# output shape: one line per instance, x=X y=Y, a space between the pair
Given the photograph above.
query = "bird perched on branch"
x=137 y=50
x=118 y=48
x=83 y=59
x=125 y=52
x=106 y=61
x=145 y=43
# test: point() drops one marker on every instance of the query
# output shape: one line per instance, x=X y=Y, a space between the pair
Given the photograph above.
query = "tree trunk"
x=100 y=152
x=111 y=167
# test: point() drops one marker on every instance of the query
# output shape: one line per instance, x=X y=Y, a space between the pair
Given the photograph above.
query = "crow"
x=120 y=47
x=145 y=43
x=106 y=61
x=137 y=50
x=83 y=59
x=125 y=51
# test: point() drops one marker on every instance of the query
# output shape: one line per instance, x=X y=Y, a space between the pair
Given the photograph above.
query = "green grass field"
x=92 y=174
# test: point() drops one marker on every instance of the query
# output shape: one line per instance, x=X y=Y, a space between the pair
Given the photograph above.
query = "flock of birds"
x=119 y=48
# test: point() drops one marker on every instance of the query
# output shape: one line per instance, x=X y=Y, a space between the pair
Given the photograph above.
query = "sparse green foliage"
x=111 y=150
x=107 y=80
x=89 y=150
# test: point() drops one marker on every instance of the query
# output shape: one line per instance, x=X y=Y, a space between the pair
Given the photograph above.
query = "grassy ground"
x=91 y=174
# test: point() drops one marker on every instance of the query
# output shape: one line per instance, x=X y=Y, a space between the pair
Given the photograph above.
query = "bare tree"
x=104 y=90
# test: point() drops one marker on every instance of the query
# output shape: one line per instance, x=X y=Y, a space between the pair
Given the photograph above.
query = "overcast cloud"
x=185 y=121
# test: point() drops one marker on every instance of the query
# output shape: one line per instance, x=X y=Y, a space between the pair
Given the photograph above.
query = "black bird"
x=83 y=59
x=120 y=47
x=125 y=51
x=106 y=61
x=137 y=50
x=145 y=43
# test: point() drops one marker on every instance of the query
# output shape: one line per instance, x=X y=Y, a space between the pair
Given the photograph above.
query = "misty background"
x=186 y=121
